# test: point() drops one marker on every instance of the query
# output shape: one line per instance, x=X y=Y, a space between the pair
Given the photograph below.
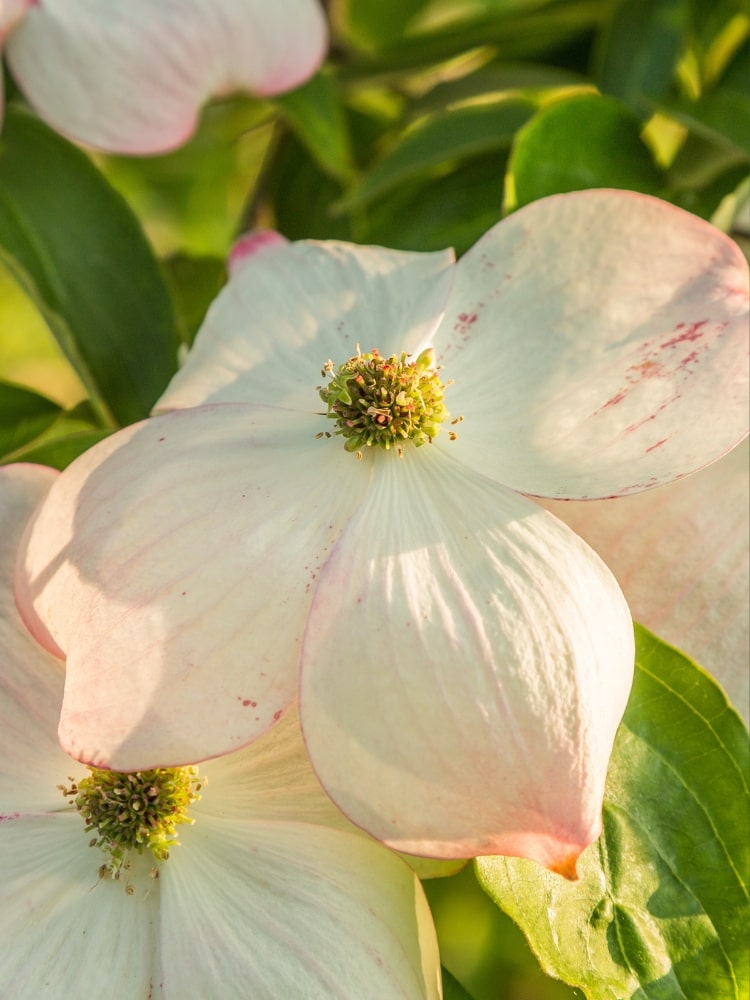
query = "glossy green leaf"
x=445 y=137
x=584 y=141
x=317 y=116
x=24 y=415
x=639 y=50
x=77 y=250
x=661 y=908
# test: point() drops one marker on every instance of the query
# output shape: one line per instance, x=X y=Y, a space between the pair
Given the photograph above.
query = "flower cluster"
x=305 y=626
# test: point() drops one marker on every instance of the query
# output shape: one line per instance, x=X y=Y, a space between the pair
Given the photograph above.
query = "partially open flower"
x=463 y=658
x=130 y=76
x=232 y=879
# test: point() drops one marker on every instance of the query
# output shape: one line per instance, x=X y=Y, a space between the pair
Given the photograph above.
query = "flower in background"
x=131 y=77
x=463 y=658
x=266 y=895
x=680 y=554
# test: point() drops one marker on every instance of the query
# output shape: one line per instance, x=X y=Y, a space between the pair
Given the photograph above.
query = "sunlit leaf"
x=316 y=114
x=523 y=30
x=442 y=138
x=661 y=909
x=190 y=199
x=375 y=24
x=76 y=249
x=499 y=79
x=583 y=141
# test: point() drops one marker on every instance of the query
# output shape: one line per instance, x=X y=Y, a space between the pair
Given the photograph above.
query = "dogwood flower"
x=331 y=503
x=130 y=76
x=233 y=879
x=680 y=553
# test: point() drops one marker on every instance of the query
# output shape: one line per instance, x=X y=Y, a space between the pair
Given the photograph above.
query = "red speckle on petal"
x=689 y=360
x=692 y=332
x=464 y=322
x=277 y=715
x=657 y=445
x=617 y=398
x=644 y=369
x=6 y=817
x=247 y=702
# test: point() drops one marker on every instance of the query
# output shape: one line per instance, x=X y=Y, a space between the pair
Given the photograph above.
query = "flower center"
x=134 y=812
x=384 y=402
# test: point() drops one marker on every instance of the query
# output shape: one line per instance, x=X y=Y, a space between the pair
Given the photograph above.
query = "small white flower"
x=266 y=895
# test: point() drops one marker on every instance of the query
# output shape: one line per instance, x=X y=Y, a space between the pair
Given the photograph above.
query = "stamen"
x=384 y=402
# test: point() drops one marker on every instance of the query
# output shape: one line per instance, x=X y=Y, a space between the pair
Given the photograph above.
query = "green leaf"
x=24 y=415
x=450 y=211
x=515 y=79
x=452 y=989
x=58 y=452
x=721 y=115
x=302 y=196
x=639 y=50
x=661 y=909
x=191 y=198
x=195 y=282
x=443 y=138
x=375 y=24
x=584 y=141
x=77 y=250
x=712 y=22
x=482 y=946
x=520 y=29
x=700 y=161
x=317 y=116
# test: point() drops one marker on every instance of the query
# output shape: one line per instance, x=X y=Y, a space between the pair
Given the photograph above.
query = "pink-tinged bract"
x=131 y=77
x=680 y=554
